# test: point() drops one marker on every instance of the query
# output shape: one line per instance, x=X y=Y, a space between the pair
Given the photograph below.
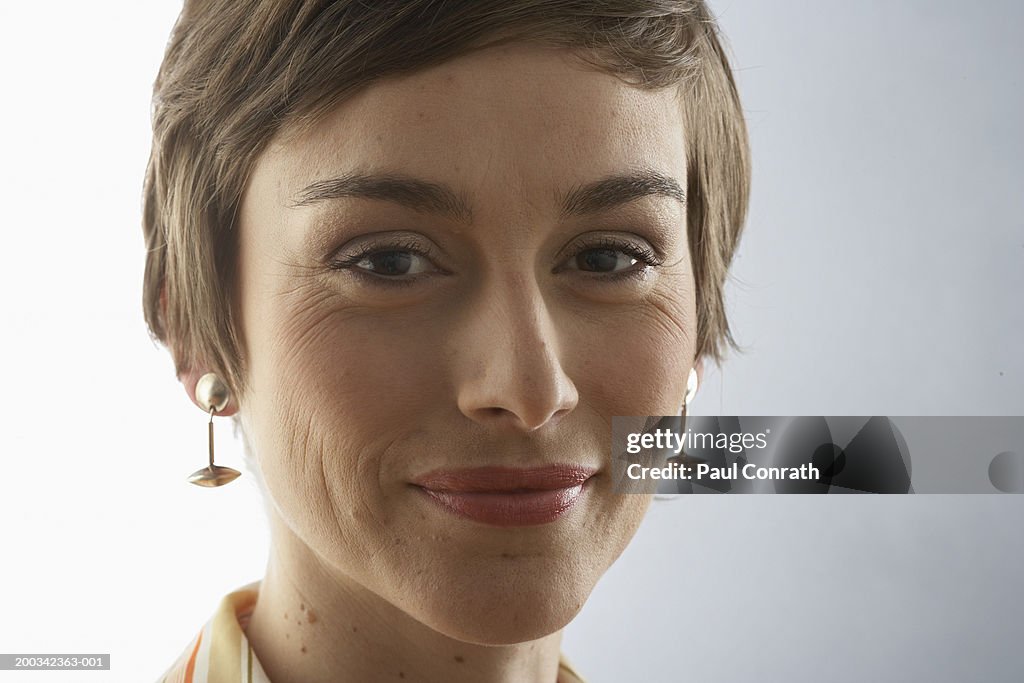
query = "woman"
x=423 y=252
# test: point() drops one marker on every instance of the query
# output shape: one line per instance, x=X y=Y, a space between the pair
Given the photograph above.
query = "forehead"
x=506 y=121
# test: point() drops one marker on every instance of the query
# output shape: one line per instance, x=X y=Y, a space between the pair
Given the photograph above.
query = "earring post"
x=210 y=433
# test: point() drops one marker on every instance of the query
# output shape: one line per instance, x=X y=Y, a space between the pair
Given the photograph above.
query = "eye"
x=393 y=262
x=603 y=260
x=386 y=260
x=611 y=258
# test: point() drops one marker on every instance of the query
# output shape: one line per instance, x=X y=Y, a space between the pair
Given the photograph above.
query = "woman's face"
x=474 y=266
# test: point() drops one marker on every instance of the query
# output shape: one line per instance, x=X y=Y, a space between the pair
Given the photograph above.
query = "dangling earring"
x=691 y=390
x=212 y=394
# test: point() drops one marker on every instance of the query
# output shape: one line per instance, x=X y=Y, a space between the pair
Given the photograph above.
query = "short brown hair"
x=235 y=73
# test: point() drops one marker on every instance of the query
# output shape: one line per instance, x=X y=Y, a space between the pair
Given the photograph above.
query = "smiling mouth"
x=507 y=496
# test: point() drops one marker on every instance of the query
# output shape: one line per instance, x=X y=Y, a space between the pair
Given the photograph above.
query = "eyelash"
x=645 y=255
x=350 y=261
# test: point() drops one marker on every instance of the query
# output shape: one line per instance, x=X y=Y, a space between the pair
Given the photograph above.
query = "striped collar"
x=220 y=652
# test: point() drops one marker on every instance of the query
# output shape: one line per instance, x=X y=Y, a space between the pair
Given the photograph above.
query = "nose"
x=510 y=372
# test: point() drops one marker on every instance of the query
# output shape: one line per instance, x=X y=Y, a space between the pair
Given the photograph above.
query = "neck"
x=312 y=625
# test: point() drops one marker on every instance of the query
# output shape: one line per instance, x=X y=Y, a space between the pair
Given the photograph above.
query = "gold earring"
x=213 y=395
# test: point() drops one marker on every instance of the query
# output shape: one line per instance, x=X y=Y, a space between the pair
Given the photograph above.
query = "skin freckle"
x=310 y=616
x=460 y=659
x=303 y=649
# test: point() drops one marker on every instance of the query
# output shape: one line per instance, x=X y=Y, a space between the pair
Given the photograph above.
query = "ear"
x=699 y=367
x=189 y=378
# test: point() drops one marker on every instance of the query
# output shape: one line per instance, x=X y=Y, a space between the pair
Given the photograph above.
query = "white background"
x=880 y=273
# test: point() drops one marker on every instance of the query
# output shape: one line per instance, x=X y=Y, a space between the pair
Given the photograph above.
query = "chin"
x=508 y=622
x=516 y=606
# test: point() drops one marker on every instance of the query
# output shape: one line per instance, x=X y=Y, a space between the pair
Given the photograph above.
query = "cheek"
x=332 y=387
x=636 y=362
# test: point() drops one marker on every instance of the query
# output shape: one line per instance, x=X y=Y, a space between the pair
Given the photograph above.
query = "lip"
x=507 y=496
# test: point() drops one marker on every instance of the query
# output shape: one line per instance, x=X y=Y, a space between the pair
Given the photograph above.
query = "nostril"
x=496 y=415
x=558 y=415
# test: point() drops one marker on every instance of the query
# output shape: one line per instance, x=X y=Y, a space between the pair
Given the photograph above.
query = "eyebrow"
x=413 y=193
x=616 y=190
x=424 y=196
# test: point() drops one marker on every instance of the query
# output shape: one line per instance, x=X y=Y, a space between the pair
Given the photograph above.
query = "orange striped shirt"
x=220 y=652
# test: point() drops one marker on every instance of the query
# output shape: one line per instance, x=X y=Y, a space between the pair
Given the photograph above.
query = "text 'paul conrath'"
x=668 y=440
